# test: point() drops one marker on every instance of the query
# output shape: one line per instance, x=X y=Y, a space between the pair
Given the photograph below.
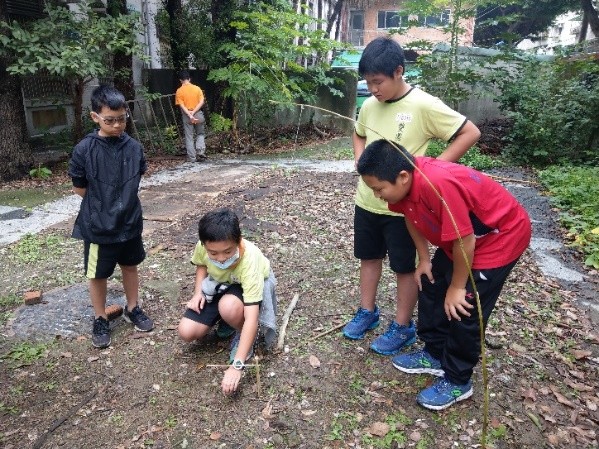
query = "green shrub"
x=554 y=107
x=576 y=192
x=473 y=158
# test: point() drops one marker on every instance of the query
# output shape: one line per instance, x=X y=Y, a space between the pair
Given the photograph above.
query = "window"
x=391 y=19
x=436 y=20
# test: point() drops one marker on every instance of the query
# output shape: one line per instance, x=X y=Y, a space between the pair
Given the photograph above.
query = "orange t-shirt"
x=189 y=95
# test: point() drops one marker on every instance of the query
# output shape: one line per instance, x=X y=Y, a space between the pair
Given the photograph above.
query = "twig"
x=161 y=219
x=286 y=321
x=58 y=422
x=228 y=365
x=501 y=178
x=326 y=332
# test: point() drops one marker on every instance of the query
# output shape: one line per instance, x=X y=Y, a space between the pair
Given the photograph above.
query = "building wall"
x=431 y=34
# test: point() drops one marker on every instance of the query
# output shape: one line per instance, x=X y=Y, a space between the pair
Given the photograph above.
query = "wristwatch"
x=238 y=365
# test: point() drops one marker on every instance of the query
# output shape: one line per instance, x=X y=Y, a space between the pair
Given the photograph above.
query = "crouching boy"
x=476 y=224
x=234 y=282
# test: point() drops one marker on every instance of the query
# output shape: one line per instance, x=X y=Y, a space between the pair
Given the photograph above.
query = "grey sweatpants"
x=189 y=129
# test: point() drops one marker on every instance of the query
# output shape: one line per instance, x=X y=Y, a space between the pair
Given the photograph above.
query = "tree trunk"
x=222 y=14
x=79 y=85
x=334 y=16
x=122 y=63
x=15 y=152
x=592 y=15
x=174 y=9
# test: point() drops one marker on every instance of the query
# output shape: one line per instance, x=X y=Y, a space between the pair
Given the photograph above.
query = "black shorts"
x=99 y=260
x=210 y=315
x=375 y=235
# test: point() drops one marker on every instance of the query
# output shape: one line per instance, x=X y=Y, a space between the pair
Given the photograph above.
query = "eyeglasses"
x=112 y=120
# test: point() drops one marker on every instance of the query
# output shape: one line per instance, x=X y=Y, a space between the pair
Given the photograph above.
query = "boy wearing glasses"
x=106 y=168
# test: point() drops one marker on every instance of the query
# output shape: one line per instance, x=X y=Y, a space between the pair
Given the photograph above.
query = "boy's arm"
x=359 y=143
x=79 y=191
x=246 y=340
x=467 y=136
x=424 y=259
x=197 y=301
x=198 y=106
x=456 y=303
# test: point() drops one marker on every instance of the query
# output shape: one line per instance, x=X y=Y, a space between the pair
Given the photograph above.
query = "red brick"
x=32 y=297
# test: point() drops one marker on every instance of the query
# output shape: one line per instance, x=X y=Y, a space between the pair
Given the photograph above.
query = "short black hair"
x=219 y=225
x=106 y=95
x=385 y=161
x=382 y=55
x=184 y=75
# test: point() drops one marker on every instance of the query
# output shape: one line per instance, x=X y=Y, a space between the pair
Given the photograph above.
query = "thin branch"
x=285 y=321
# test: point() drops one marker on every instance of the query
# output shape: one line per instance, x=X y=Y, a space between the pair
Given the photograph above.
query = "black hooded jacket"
x=110 y=169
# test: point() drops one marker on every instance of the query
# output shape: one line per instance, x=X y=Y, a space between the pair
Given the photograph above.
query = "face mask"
x=227 y=263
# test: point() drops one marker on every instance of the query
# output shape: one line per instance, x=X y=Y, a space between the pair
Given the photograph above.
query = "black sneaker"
x=101 y=333
x=141 y=321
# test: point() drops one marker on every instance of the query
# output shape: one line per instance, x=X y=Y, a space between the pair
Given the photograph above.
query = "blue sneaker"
x=224 y=329
x=363 y=321
x=235 y=344
x=444 y=393
x=419 y=362
x=396 y=337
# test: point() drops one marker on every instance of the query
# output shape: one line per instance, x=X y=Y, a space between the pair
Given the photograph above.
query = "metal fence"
x=156 y=123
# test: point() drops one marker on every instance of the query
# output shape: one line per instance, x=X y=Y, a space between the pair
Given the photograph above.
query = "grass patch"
x=31 y=197
x=25 y=353
x=473 y=157
x=336 y=149
x=34 y=247
x=575 y=191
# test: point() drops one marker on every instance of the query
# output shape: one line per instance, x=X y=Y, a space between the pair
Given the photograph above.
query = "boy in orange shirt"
x=190 y=99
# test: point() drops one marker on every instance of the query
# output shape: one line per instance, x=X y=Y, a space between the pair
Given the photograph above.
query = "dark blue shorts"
x=100 y=260
x=376 y=235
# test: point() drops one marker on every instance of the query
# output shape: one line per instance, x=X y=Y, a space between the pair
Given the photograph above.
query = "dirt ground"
x=318 y=390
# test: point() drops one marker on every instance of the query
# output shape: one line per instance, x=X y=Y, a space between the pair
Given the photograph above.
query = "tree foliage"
x=78 y=46
x=267 y=61
x=553 y=106
x=510 y=23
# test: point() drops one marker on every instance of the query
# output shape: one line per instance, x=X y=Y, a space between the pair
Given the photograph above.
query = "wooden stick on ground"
x=285 y=321
x=327 y=332
x=58 y=422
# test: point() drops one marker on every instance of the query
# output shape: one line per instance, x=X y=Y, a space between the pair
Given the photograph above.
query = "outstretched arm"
x=232 y=376
x=424 y=266
x=359 y=143
x=456 y=303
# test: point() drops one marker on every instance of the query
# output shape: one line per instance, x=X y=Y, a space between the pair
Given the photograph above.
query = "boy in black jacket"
x=106 y=168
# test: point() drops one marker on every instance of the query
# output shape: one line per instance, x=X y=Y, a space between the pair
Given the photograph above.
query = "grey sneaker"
x=101 y=333
x=141 y=321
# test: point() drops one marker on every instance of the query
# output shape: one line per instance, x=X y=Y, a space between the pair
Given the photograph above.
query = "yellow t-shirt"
x=251 y=271
x=189 y=95
x=412 y=121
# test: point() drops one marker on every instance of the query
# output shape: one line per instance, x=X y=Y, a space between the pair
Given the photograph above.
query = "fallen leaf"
x=314 y=362
x=580 y=354
x=529 y=394
x=308 y=412
x=93 y=358
x=379 y=429
x=214 y=436
x=267 y=411
x=560 y=397
x=415 y=436
x=66 y=355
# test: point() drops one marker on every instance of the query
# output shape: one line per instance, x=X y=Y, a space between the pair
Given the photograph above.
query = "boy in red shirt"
x=494 y=229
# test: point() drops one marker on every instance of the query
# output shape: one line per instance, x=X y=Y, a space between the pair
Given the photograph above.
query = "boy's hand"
x=197 y=302
x=424 y=268
x=231 y=380
x=456 y=303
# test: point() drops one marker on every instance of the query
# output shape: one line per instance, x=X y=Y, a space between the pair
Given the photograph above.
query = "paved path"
x=174 y=192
